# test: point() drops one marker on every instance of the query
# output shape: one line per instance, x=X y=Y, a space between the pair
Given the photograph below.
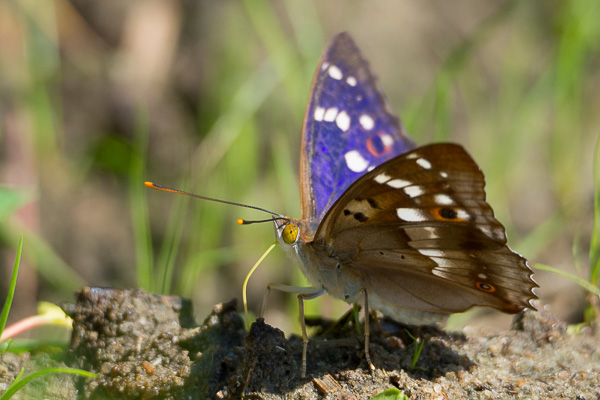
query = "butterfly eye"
x=290 y=233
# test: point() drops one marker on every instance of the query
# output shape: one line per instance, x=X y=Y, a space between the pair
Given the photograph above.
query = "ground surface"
x=148 y=346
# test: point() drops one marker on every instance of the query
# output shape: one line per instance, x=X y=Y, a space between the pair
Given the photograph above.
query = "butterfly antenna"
x=243 y=222
x=246 y=222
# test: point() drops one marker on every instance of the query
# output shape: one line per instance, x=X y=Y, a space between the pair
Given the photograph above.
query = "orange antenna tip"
x=240 y=221
x=149 y=184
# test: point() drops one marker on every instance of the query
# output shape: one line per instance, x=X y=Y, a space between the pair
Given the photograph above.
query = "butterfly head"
x=289 y=231
x=286 y=231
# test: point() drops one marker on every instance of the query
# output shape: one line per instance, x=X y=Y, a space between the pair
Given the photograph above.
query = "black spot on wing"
x=448 y=213
x=373 y=203
x=360 y=217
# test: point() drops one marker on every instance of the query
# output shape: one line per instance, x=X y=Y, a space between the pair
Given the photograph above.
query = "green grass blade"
x=19 y=383
x=171 y=243
x=580 y=281
x=545 y=232
x=268 y=26
x=307 y=30
x=18 y=346
x=12 y=287
x=419 y=344
x=139 y=208
x=48 y=264
x=595 y=240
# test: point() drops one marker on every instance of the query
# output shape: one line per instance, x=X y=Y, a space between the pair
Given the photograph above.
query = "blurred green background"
x=209 y=96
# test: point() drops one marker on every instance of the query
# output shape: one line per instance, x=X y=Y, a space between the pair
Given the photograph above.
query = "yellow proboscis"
x=265 y=254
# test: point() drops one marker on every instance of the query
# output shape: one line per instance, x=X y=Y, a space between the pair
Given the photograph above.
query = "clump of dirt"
x=147 y=346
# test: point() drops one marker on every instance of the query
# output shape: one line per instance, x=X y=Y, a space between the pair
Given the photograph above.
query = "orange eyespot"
x=380 y=144
x=450 y=214
x=290 y=233
x=486 y=287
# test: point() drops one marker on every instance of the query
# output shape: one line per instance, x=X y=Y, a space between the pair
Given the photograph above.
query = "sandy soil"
x=148 y=346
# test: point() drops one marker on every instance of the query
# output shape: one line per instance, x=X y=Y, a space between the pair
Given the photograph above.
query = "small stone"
x=148 y=367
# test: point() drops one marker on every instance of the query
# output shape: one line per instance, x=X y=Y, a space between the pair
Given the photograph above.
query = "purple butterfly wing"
x=348 y=129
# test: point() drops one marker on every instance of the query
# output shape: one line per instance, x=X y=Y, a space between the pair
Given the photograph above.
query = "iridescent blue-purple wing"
x=349 y=129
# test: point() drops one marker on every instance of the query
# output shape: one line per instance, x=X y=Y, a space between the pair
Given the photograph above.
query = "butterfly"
x=406 y=227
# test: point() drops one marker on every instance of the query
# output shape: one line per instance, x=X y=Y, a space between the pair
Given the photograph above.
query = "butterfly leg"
x=288 y=289
x=367 y=331
x=304 y=293
x=301 y=298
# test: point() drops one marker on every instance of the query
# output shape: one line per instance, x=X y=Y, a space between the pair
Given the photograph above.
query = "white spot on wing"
x=411 y=214
x=319 y=113
x=482 y=276
x=443 y=199
x=366 y=122
x=351 y=81
x=424 y=163
x=462 y=214
x=431 y=232
x=343 y=121
x=330 y=114
x=486 y=231
x=355 y=161
x=444 y=264
x=431 y=252
x=398 y=183
x=413 y=191
x=443 y=174
x=382 y=178
x=387 y=140
x=325 y=66
x=335 y=72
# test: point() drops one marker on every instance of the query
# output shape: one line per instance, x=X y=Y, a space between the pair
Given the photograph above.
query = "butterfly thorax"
x=320 y=269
